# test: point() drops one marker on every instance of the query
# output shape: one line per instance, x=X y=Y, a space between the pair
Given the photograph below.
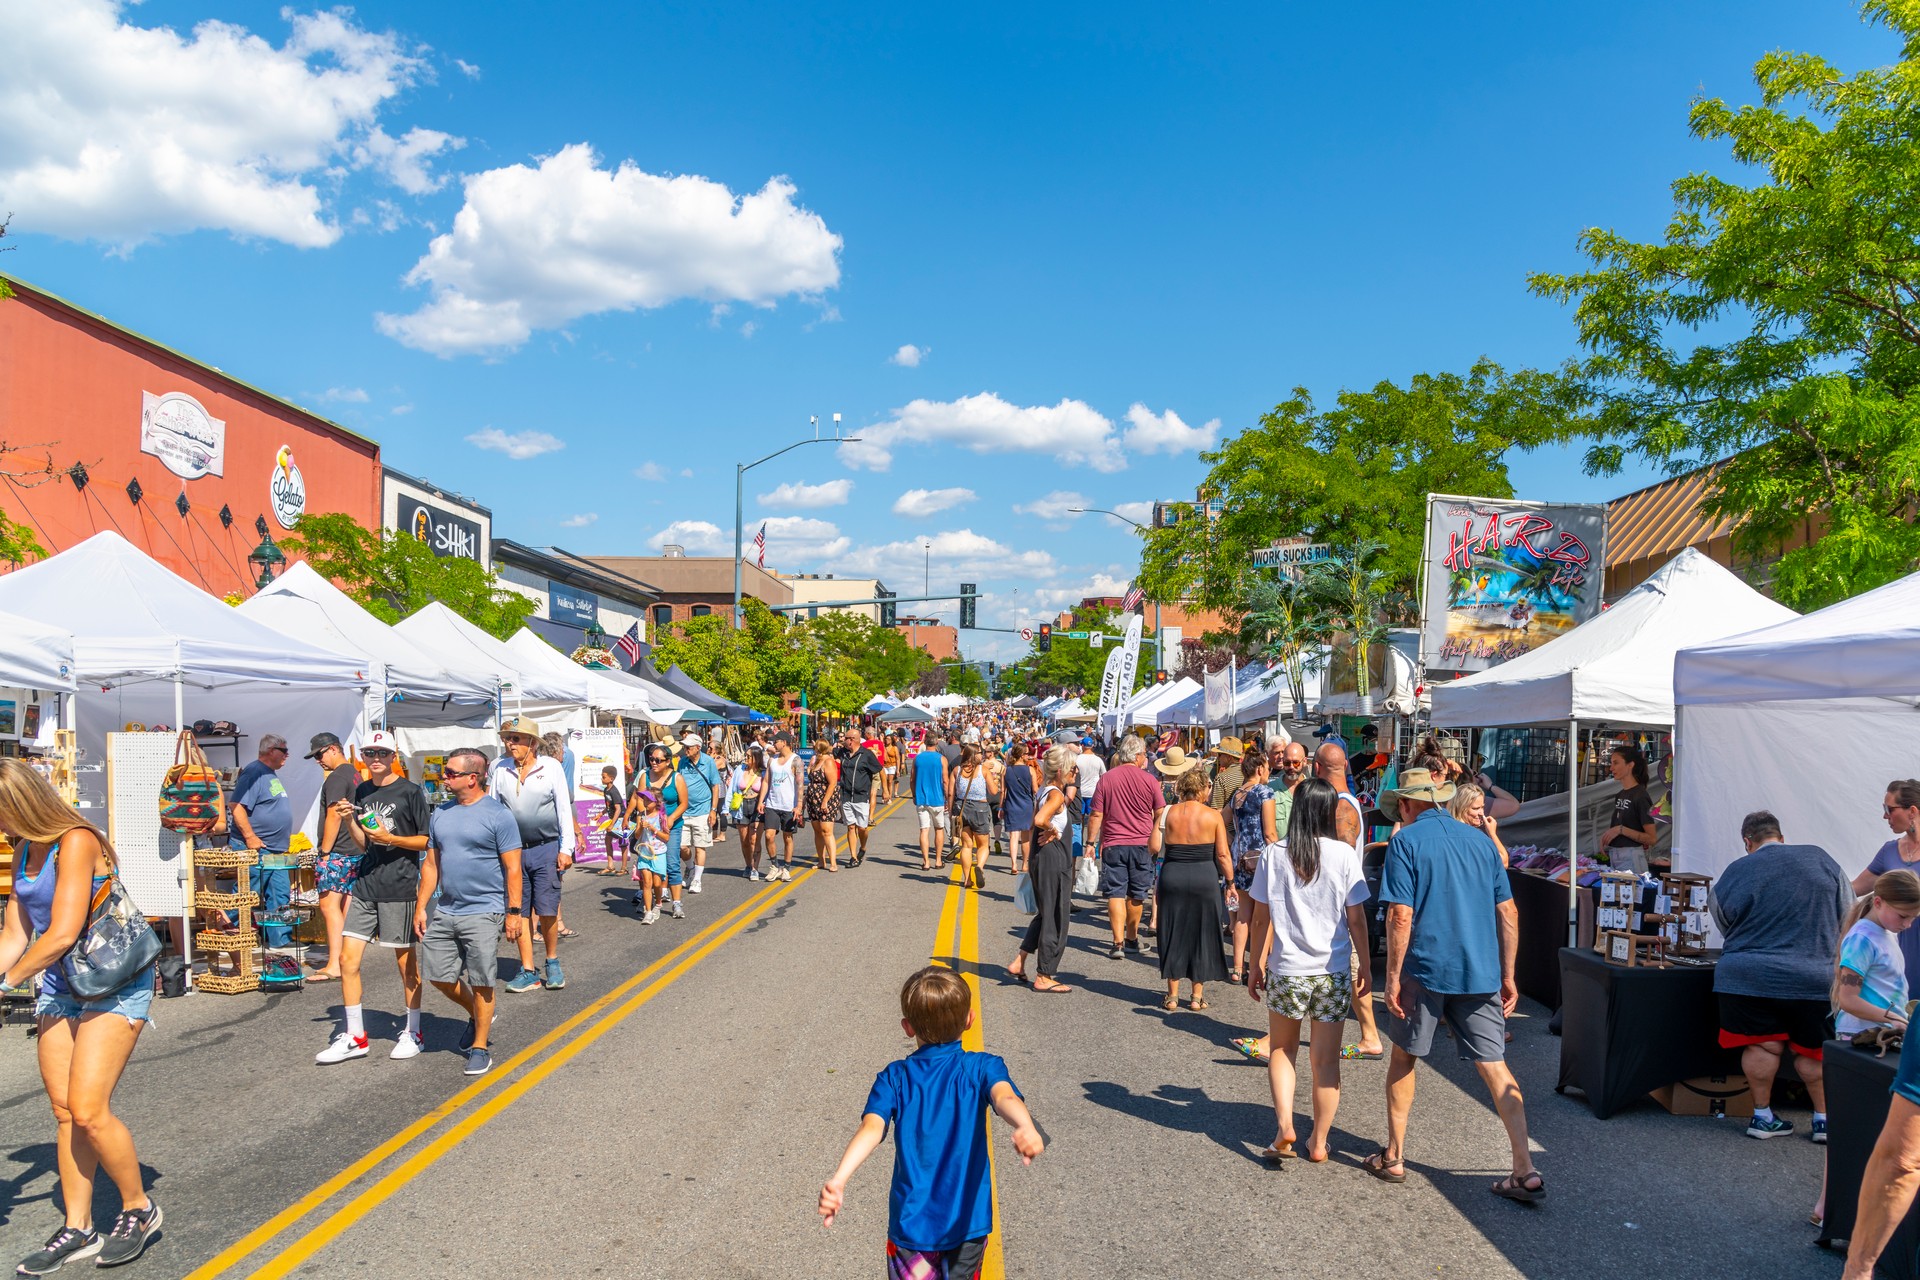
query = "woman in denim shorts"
x=59 y=859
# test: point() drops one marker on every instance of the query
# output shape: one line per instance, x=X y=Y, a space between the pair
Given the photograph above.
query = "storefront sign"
x=446 y=533
x=288 y=489
x=571 y=605
x=178 y=430
x=1503 y=577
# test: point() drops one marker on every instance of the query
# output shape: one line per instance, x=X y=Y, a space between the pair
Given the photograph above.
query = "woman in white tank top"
x=779 y=797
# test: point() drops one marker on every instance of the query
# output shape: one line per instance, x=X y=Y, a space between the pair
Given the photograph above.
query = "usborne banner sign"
x=1503 y=577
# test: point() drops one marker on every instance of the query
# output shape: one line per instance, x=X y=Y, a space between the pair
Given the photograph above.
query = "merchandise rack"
x=239 y=942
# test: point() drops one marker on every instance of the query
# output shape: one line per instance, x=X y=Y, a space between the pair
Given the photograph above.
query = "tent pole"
x=1573 y=832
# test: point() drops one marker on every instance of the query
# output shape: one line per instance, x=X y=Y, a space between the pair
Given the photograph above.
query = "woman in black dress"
x=1191 y=917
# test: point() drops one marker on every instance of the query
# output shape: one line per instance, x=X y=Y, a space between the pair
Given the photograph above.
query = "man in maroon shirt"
x=1126 y=803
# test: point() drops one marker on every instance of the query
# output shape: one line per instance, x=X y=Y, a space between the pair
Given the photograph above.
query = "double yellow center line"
x=484 y=1100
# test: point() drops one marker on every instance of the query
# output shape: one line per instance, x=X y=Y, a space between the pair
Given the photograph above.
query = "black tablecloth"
x=1542 y=905
x=1857 y=1101
x=1628 y=1031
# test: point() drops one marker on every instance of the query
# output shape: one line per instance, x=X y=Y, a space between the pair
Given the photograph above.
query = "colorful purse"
x=190 y=798
x=114 y=947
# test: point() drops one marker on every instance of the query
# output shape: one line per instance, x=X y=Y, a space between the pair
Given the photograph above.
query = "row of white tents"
x=126 y=641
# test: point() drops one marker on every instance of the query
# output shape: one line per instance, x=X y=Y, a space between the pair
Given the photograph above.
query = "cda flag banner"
x=1219 y=694
x=1110 y=694
x=1502 y=577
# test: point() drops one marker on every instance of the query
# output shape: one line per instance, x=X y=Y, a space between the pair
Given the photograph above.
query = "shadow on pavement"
x=1243 y=1128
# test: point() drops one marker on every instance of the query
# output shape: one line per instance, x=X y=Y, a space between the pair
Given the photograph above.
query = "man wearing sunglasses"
x=388 y=817
x=473 y=859
x=535 y=788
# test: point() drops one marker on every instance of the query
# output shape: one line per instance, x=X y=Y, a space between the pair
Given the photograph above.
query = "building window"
x=702 y=610
x=662 y=615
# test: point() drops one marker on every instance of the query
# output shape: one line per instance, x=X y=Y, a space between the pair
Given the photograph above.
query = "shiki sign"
x=1502 y=577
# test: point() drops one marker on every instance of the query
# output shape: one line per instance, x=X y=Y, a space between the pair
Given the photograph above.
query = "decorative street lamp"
x=268 y=559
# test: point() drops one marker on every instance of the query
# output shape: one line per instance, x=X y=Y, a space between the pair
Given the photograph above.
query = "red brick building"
x=938 y=641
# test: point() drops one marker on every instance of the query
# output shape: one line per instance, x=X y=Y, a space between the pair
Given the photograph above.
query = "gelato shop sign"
x=178 y=430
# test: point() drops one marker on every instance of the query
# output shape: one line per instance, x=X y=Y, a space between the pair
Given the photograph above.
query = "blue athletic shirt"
x=936 y=1100
x=929 y=779
x=701 y=780
x=1450 y=874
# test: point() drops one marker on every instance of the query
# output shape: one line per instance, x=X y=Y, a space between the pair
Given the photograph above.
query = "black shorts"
x=785 y=820
x=1804 y=1024
x=1126 y=871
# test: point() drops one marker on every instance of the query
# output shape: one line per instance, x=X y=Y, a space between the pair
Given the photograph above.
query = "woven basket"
x=225 y=901
x=209 y=859
x=243 y=940
x=227 y=984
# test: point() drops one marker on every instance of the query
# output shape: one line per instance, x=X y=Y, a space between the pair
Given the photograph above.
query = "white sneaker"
x=694 y=887
x=679 y=912
x=343 y=1047
x=407 y=1046
x=651 y=917
x=753 y=874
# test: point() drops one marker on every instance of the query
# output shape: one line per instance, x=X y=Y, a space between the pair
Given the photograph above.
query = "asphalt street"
x=673 y=1111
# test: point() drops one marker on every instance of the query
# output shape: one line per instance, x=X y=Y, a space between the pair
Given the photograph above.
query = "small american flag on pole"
x=629 y=644
x=760 y=544
x=1133 y=599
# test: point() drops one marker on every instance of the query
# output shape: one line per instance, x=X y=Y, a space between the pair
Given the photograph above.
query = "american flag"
x=1132 y=600
x=760 y=544
x=629 y=644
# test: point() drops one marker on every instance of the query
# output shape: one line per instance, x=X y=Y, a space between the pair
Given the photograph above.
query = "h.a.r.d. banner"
x=1505 y=576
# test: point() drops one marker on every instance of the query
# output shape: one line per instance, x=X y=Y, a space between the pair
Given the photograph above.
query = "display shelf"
x=241 y=940
x=228 y=984
x=216 y=900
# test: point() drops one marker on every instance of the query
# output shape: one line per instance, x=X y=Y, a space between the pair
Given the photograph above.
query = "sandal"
x=1281 y=1151
x=1052 y=988
x=1198 y=1003
x=1236 y=977
x=1353 y=1053
x=1317 y=1159
x=1514 y=1187
x=1380 y=1167
x=568 y=933
x=1245 y=1045
x=1170 y=1003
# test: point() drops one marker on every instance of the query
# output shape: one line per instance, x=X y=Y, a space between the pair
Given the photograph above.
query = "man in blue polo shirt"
x=1451 y=935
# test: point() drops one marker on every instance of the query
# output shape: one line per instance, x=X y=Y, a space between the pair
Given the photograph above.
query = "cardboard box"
x=1726 y=1096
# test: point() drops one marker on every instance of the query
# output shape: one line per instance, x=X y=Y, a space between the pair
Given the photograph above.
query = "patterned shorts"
x=1311 y=997
x=963 y=1263
x=336 y=872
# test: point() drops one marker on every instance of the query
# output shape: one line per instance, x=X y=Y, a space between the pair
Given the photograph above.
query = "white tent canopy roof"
x=1140 y=709
x=439 y=630
x=606 y=690
x=302 y=604
x=35 y=655
x=1618 y=667
x=134 y=619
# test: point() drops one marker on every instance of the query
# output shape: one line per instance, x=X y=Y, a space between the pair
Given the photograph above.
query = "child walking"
x=649 y=856
x=936 y=1098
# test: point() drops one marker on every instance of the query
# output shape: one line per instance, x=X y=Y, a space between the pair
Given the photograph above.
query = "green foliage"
x=754 y=665
x=1288 y=621
x=17 y=543
x=879 y=657
x=394 y=574
x=1357 y=592
x=1075 y=666
x=1809 y=280
x=967 y=681
x=1359 y=470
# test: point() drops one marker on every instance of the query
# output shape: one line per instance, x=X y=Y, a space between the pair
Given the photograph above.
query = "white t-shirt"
x=1090 y=767
x=1310 y=920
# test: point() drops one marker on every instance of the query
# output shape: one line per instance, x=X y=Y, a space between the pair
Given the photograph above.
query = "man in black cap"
x=339 y=862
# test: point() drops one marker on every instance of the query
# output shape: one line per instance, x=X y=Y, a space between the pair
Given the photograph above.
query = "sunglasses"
x=376 y=755
x=460 y=773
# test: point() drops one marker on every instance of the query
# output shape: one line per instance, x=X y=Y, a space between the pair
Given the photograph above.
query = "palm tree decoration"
x=1287 y=622
x=1356 y=595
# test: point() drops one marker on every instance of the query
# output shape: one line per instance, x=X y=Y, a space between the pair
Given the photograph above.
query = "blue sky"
x=1108 y=233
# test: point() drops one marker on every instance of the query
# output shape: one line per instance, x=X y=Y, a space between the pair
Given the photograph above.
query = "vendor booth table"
x=1541 y=904
x=1857 y=1102
x=1626 y=1031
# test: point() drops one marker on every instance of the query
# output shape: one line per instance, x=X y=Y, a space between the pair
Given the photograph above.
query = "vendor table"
x=1542 y=907
x=1627 y=1031
x=1857 y=1101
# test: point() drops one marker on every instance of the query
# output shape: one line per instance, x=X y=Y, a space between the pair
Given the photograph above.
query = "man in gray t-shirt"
x=473 y=859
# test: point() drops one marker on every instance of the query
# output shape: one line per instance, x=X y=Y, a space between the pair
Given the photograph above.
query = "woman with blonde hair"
x=1469 y=805
x=59 y=860
x=1050 y=863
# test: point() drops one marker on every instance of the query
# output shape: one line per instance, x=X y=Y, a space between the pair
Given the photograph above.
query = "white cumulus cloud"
x=833 y=493
x=953 y=555
x=926 y=502
x=467 y=69
x=518 y=445
x=1138 y=512
x=538 y=247
x=1072 y=432
x=1057 y=505
x=652 y=472
x=344 y=395
x=909 y=356
x=580 y=521
x=700 y=537
x=792 y=541
x=119 y=132
x=1149 y=432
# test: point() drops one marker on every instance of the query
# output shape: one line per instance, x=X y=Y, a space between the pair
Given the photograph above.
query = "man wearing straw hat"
x=1451 y=934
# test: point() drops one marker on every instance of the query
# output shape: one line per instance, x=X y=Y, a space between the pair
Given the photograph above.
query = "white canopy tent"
x=35 y=655
x=606 y=690
x=411 y=686
x=149 y=647
x=557 y=703
x=1616 y=668
x=1143 y=706
x=1809 y=718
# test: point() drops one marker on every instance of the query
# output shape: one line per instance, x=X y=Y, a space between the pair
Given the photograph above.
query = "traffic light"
x=887 y=607
x=993 y=669
x=967 y=605
x=1043 y=643
x=1160 y=676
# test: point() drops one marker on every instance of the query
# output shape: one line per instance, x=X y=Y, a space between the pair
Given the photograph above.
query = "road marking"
x=680 y=960
x=956 y=944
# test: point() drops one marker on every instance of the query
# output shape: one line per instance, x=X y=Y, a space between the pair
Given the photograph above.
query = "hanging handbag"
x=190 y=799
x=114 y=948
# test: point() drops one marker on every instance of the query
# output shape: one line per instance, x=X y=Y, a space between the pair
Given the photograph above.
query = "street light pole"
x=740 y=470
x=1159 y=652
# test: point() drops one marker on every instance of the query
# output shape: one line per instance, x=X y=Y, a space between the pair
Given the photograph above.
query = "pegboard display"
x=153 y=860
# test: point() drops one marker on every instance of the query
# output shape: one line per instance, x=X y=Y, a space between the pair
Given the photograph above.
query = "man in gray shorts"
x=1451 y=935
x=473 y=859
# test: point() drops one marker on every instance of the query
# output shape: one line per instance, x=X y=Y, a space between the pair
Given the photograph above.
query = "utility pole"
x=740 y=470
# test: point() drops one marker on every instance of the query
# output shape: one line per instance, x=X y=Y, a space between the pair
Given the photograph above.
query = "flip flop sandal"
x=569 y=933
x=1512 y=1188
x=1056 y=989
x=1316 y=1159
x=1020 y=978
x=1352 y=1053
x=1244 y=1045
x=1274 y=1155
x=1380 y=1167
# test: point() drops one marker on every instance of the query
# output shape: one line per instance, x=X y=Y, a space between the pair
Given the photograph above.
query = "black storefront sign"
x=442 y=530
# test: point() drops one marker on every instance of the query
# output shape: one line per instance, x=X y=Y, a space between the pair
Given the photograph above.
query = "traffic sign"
x=1288 y=552
x=1076 y=635
x=1026 y=633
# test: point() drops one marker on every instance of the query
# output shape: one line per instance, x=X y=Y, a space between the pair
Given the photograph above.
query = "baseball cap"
x=379 y=740
x=320 y=742
x=522 y=726
x=1327 y=731
x=690 y=738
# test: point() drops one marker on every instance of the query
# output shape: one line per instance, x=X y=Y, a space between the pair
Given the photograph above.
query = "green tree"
x=1806 y=278
x=967 y=681
x=17 y=543
x=1075 y=666
x=394 y=574
x=1358 y=593
x=1361 y=469
x=880 y=657
x=1288 y=621
x=754 y=665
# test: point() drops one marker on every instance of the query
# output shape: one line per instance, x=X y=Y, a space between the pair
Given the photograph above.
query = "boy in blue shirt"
x=940 y=1212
